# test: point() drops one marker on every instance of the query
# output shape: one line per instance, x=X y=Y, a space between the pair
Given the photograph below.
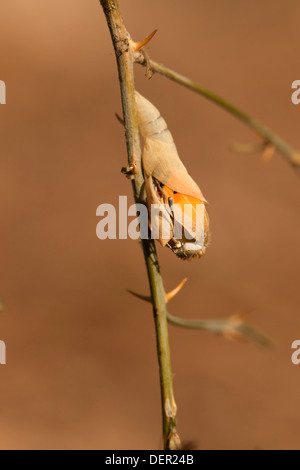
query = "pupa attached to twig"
x=177 y=208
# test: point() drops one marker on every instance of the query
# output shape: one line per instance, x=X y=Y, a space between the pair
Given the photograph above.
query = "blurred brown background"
x=82 y=370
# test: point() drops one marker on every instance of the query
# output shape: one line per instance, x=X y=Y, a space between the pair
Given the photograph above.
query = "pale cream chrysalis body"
x=164 y=171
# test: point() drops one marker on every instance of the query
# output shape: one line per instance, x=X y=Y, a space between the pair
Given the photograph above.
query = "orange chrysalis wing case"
x=176 y=205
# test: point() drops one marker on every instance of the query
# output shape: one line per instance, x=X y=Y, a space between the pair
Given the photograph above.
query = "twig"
x=288 y=152
x=125 y=60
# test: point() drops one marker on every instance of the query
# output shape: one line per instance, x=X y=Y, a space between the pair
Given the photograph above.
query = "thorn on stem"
x=175 y=291
x=146 y=298
x=268 y=153
x=296 y=159
x=169 y=296
x=136 y=46
x=121 y=120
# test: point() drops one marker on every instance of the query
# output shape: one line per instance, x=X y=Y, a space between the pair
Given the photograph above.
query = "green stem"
x=125 y=61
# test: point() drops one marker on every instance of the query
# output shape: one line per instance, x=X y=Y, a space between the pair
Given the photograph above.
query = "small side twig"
x=232 y=328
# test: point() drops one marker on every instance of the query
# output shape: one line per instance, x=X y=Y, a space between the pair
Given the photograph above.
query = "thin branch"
x=288 y=152
x=124 y=56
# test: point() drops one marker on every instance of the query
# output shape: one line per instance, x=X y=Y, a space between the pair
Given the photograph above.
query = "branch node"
x=174 y=441
x=130 y=171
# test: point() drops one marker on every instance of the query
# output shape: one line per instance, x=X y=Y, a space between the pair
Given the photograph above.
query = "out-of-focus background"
x=81 y=360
